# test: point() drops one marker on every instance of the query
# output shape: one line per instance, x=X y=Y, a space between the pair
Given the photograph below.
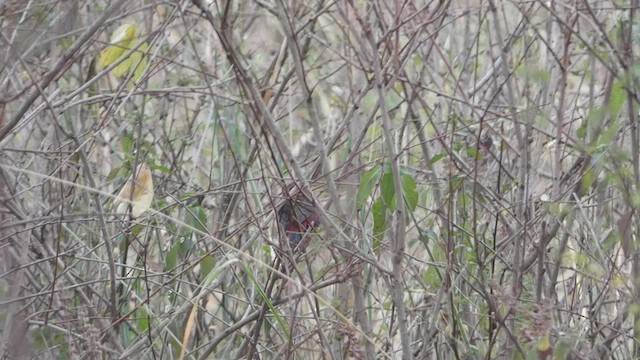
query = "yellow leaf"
x=141 y=64
x=136 y=194
x=120 y=41
x=122 y=68
x=133 y=60
x=187 y=329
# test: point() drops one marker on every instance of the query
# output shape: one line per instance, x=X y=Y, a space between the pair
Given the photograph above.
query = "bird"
x=138 y=193
x=297 y=216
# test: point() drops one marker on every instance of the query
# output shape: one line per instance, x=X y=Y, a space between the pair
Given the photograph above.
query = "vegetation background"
x=475 y=165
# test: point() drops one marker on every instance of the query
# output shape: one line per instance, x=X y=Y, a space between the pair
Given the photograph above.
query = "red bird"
x=297 y=216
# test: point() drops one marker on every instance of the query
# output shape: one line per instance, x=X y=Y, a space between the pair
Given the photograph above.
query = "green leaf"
x=369 y=180
x=379 y=222
x=127 y=141
x=163 y=169
x=388 y=191
x=431 y=277
x=581 y=132
x=142 y=319
x=171 y=260
x=532 y=354
x=409 y=191
x=274 y=310
x=562 y=350
x=595 y=118
x=186 y=244
x=472 y=152
x=217 y=271
x=148 y=147
x=206 y=264
x=617 y=100
x=436 y=158
x=113 y=173
x=456 y=182
x=126 y=333
x=427 y=235
x=609 y=134
x=196 y=219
